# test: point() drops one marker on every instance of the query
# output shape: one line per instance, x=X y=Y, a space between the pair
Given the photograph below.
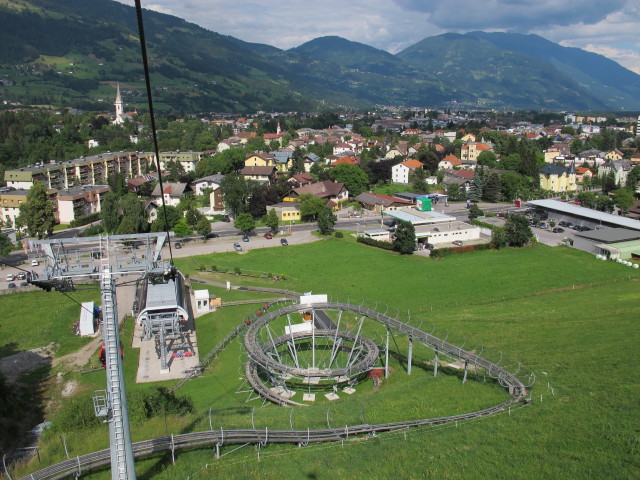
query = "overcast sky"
x=608 y=27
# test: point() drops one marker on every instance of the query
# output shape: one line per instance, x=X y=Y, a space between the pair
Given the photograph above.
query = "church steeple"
x=119 y=105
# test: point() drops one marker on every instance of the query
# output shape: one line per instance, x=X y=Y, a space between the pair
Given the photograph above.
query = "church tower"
x=119 y=106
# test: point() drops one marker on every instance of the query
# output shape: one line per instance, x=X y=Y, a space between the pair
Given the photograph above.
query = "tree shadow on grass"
x=22 y=399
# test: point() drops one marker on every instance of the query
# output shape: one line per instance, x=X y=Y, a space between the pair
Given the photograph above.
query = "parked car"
x=211 y=235
x=24 y=284
x=580 y=228
x=34 y=263
x=238 y=247
x=283 y=242
x=21 y=276
x=429 y=246
x=558 y=230
x=268 y=236
x=10 y=277
x=458 y=243
x=178 y=245
x=245 y=238
x=11 y=285
x=541 y=225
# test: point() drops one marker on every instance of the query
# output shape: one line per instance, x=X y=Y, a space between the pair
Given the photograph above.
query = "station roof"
x=423 y=231
x=594 y=215
x=162 y=295
x=416 y=217
x=610 y=235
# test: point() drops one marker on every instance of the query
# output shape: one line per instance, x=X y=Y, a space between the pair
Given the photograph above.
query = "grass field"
x=559 y=312
x=35 y=319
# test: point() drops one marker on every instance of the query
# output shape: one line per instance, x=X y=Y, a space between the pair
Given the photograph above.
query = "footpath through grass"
x=558 y=312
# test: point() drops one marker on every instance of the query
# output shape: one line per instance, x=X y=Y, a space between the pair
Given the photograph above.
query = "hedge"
x=375 y=243
x=84 y=220
x=443 y=252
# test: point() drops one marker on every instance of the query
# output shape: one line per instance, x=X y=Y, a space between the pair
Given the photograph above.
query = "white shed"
x=86 y=326
x=202 y=301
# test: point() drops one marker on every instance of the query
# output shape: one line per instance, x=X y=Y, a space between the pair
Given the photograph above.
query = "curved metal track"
x=221 y=437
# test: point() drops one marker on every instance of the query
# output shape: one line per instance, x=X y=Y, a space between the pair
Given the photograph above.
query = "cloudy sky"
x=608 y=27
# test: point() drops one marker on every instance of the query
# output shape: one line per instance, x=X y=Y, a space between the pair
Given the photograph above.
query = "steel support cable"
x=147 y=79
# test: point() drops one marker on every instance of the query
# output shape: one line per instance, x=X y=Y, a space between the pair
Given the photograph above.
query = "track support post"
x=435 y=364
x=386 y=356
x=410 y=354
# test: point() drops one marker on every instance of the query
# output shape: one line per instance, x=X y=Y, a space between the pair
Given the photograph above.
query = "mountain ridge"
x=69 y=52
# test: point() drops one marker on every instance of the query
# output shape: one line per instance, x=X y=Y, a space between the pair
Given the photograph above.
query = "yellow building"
x=550 y=154
x=470 y=150
x=286 y=211
x=614 y=155
x=260 y=159
x=558 y=178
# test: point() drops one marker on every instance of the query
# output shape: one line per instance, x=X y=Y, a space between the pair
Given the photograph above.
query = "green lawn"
x=35 y=319
x=557 y=312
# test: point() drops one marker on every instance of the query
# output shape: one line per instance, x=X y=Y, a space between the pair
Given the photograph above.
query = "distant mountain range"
x=71 y=52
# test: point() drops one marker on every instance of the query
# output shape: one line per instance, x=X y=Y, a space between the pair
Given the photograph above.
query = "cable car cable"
x=145 y=63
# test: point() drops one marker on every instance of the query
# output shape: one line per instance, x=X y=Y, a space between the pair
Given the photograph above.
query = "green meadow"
x=559 y=313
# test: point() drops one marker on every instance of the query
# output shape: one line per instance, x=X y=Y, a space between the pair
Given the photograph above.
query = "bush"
x=148 y=403
x=443 y=252
x=375 y=243
x=338 y=235
x=92 y=230
x=236 y=270
x=480 y=224
x=76 y=414
x=84 y=220
x=214 y=268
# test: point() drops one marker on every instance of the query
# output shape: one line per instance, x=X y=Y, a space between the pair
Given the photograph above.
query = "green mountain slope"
x=495 y=74
x=70 y=53
x=600 y=76
x=85 y=47
x=352 y=55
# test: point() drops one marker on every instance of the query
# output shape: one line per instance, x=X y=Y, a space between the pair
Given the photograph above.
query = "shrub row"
x=481 y=224
x=84 y=220
x=375 y=243
x=443 y=252
x=145 y=404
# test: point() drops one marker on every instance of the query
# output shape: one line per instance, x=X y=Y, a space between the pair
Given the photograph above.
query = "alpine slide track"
x=259 y=357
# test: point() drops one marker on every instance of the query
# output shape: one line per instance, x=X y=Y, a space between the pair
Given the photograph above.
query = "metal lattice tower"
x=98 y=258
x=122 y=460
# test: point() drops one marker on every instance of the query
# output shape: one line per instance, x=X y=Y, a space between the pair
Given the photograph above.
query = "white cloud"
x=615 y=36
x=515 y=15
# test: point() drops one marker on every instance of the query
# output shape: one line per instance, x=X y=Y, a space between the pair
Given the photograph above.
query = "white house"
x=172 y=193
x=400 y=172
x=211 y=181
